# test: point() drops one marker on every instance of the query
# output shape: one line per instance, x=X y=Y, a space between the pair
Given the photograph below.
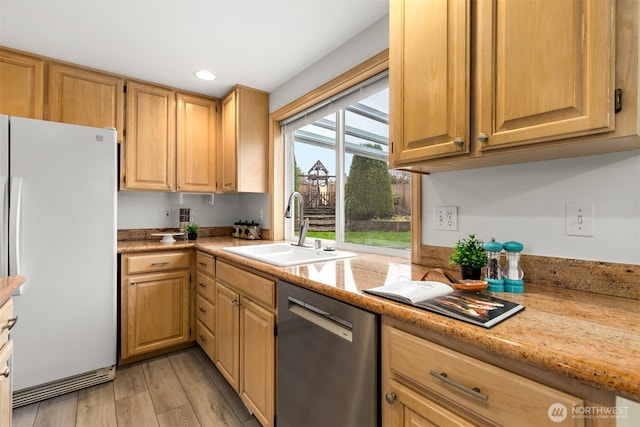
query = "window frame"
x=277 y=201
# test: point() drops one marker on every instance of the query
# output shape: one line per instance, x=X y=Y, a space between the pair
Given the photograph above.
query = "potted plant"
x=192 y=230
x=470 y=255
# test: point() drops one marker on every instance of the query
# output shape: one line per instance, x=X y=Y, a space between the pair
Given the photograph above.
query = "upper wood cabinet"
x=493 y=81
x=243 y=150
x=21 y=85
x=85 y=97
x=150 y=146
x=197 y=127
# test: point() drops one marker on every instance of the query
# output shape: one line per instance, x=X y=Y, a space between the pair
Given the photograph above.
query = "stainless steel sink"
x=286 y=254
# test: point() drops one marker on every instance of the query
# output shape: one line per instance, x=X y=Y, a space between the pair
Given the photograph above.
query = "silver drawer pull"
x=6 y=372
x=202 y=309
x=203 y=338
x=10 y=323
x=204 y=264
x=202 y=284
x=158 y=264
x=475 y=392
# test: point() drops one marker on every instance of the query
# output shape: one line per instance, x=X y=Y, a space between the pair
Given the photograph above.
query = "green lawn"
x=387 y=239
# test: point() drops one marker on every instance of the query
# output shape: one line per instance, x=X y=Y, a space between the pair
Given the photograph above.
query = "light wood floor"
x=180 y=389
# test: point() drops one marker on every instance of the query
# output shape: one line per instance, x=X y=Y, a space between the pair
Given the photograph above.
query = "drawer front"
x=205 y=263
x=6 y=321
x=206 y=340
x=159 y=261
x=255 y=287
x=492 y=392
x=205 y=312
x=205 y=286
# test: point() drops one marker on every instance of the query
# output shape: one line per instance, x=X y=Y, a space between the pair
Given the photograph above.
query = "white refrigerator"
x=58 y=205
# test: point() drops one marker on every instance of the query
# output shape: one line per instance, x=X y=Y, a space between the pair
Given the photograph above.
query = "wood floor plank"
x=208 y=403
x=129 y=380
x=183 y=416
x=136 y=410
x=25 y=416
x=164 y=386
x=96 y=406
x=59 y=411
x=230 y=395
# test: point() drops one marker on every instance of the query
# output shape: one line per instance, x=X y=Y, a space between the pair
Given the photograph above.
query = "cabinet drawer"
x=206 y=339
x=205 y=286
x=156 y=262
x=492 y=392
x=6 y=321
x=205 y=312
x=256 y=287
x=205 y=263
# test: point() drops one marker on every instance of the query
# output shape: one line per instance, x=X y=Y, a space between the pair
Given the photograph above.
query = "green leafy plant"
x=469 y=252
x=192 y=228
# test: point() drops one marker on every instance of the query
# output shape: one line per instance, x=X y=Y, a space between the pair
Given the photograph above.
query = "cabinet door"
x=150 y=146
x=545 y=70
x=244 y=149
x=227 y=166
x=196 y=143
x=83 y=97
x=157 y=312
x=227 y=332
x=257 y=363
x=428 y=79
x=404 y=408
x=21 y=85
x=5 y=384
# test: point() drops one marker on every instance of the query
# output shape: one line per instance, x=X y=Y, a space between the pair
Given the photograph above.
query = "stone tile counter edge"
x=8 y=285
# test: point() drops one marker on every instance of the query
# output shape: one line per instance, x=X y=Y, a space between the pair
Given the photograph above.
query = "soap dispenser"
x=513 y=274
x=493 y=271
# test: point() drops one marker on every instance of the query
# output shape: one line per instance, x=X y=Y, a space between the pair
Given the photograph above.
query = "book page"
x=412 y=291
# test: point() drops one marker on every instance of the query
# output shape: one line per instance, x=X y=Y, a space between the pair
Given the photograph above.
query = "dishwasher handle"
x=322 y=319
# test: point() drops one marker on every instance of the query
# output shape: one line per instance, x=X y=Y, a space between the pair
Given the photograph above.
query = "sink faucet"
x=304 y=222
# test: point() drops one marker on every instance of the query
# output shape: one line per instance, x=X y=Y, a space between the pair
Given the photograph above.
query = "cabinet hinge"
x=392 y=146
x=124 y=88
x=275 y=330
x=618 y=100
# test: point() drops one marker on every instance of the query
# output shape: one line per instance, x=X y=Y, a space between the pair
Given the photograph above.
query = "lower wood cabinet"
x=205 y=303
x=155 y=302
x=245 y=337
x=426 y=384
x=6 y=351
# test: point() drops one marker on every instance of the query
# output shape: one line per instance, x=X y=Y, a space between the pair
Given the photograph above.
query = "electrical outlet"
x=167 y=214
x=445 y=218
x=579 y=219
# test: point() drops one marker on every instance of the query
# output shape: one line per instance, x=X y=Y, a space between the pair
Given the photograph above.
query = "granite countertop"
x=592 y=338
x=8 y=285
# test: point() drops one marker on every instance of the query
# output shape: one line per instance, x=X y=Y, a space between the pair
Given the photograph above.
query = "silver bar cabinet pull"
x=475 y=392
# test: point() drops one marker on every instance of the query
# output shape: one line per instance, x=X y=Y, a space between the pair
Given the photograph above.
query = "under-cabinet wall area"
x=527 y=203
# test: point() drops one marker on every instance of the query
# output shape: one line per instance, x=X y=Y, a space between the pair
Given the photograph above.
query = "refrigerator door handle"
x=3 y=238
x=15 y=227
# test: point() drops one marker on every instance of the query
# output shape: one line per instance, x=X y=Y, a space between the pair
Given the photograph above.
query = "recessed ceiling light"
x=205 y=75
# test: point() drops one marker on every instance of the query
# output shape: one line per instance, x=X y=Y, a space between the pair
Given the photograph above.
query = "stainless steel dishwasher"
x=328 y=361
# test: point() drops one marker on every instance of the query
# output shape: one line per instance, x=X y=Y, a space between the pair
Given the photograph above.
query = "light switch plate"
x=580 y=219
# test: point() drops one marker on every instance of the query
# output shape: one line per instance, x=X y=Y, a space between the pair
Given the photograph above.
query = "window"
x=339 y=153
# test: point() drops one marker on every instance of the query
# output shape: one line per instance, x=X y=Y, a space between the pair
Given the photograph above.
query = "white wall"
x=526 y=202
x=146 y=209
x=363 y=46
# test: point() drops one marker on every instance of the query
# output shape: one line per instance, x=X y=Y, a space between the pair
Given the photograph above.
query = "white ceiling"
x=257 y=43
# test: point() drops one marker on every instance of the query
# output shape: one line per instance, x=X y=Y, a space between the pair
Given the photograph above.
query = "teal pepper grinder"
x=493 y=272
x=513 y=274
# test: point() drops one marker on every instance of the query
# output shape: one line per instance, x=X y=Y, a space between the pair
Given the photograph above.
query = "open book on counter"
x=472 y=307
